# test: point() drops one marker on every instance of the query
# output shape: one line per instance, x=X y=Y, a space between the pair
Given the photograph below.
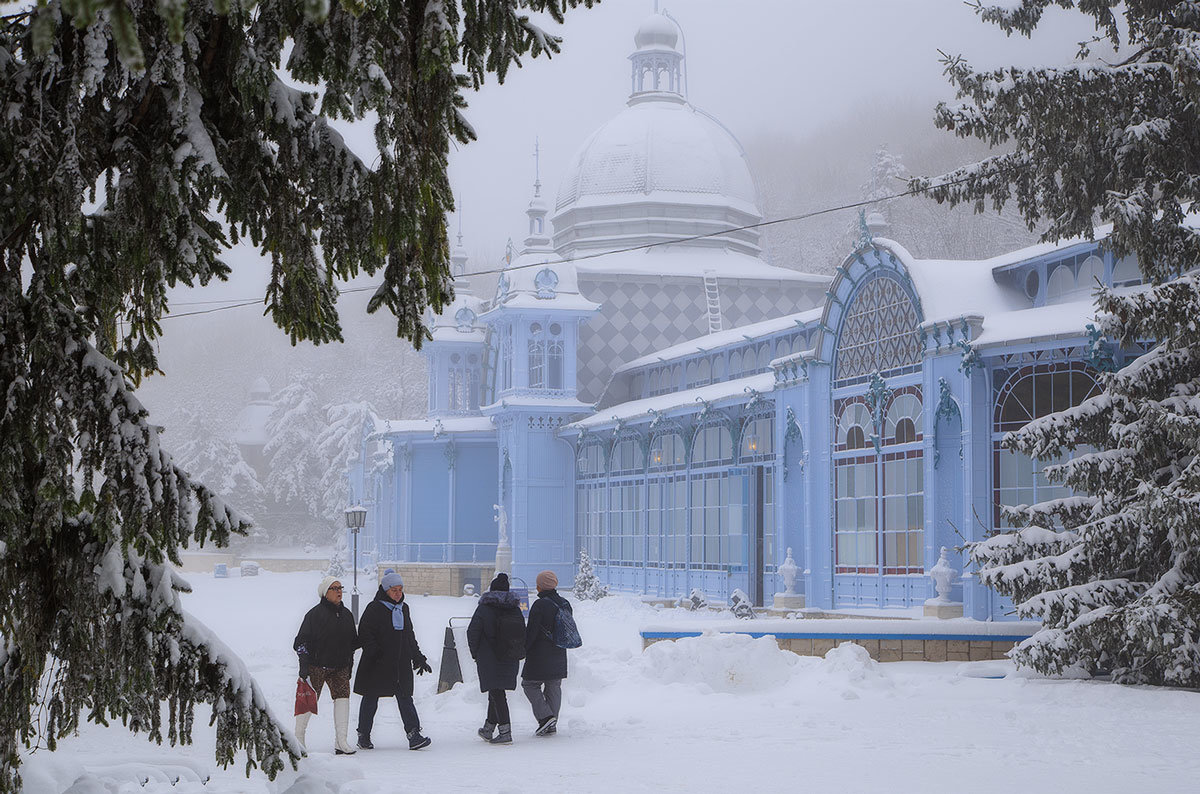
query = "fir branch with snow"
x=1113 y=572
x=174 y=121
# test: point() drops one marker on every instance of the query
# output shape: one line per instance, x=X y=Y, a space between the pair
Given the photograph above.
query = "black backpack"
x=510 y=635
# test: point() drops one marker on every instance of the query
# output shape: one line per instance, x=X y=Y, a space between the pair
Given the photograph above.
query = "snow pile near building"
x=714 y=662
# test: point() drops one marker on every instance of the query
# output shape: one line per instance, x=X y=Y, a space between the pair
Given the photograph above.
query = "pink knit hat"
x=546 y=580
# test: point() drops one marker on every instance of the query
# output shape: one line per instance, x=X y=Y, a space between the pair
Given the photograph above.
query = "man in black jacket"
x=325 y=645
x=389 y=658
x=545 y=662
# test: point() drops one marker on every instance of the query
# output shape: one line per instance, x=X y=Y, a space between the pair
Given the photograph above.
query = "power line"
x=600 y=254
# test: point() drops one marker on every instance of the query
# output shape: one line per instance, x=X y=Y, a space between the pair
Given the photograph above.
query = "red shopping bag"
x=306 y=698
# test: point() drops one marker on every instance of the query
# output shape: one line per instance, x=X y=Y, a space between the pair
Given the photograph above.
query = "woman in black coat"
x=545 y=662
x=325 y=645
x=390 y=655
x=496 y=637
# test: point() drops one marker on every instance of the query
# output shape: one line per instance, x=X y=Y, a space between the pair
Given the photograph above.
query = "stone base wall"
x=917 y=650
x=440 y=578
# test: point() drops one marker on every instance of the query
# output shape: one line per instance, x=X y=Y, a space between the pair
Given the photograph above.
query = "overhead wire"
x=600 y=254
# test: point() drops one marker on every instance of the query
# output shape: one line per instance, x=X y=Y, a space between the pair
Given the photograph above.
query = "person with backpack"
x=390 y=657
x=551 y=631
x=496 y=638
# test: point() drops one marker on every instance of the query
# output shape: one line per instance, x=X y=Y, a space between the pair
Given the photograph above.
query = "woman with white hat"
x=326 y=643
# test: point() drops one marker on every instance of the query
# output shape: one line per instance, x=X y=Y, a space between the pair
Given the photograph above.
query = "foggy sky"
x=788 y=66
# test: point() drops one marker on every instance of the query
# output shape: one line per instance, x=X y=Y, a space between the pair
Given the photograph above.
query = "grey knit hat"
x=391 y=580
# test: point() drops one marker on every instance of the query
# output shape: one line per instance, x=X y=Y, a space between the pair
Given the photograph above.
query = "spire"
x=458 y=260
x=657 y=60
x=538 y=209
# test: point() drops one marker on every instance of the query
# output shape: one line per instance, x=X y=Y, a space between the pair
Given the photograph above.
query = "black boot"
x=364 y=740
x=487 y=730
x=546 y=727
x=503 y=737
x=416 y=741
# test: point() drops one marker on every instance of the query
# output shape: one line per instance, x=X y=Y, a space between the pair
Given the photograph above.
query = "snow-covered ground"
x=710 y=714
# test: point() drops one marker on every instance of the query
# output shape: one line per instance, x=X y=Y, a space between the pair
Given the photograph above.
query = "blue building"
x=686 y=413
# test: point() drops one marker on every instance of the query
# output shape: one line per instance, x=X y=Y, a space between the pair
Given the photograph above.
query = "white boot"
x=301 y=727
x=341 y=723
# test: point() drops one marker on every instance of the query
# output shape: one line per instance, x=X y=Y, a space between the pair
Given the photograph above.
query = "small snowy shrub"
x=588 y=586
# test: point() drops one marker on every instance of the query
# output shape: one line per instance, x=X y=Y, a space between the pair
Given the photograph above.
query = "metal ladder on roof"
x=713 y=295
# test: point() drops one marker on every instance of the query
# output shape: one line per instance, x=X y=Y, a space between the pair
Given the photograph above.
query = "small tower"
x=456 y=351
x=534 y=323
x=657 y=61
x=538 y=210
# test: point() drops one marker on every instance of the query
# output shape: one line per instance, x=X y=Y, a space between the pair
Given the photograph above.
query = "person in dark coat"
x=496 y=637
x=545 y=662
x=325 y=644
x=389 y=658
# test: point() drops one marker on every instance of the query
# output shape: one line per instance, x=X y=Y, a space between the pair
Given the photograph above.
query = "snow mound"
x=849 y=661
x=720 y=662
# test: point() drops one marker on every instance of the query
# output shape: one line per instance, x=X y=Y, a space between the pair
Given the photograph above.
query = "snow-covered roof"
x=440 y=426
x=728 y=337
x=1055 y=320
x=672 y=261
x=519 y=401
x=952 y=288
x=666 y=146
x=689 y=398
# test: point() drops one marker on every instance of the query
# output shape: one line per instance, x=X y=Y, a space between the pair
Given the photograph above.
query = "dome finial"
x=657 y=60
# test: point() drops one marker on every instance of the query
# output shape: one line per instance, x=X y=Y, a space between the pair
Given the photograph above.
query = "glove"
x=422 y=666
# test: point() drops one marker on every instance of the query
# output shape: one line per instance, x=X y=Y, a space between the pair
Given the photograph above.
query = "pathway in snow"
x=705 y=715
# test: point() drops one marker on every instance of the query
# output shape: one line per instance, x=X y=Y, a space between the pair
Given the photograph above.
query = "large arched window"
x=1060 y=284
x=758 y=438
x=879 y=332
x=1024 y=395
x=712 y=445
x=626 y=457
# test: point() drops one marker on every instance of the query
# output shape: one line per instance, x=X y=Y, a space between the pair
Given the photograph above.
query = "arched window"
x=676 y=378
x=537 y=360
x=903 y=419
x=712 y=445
x=626 y=457
x=758 y=438
x=718 y=369
x=1091 y=274
x=783 y=347
x=1040 y=390
x=1126 y=272
x=749 y=362
x=1027 y=394
x=704 y=372
x=854 y=426
x=764 y=356
x=667 y=451
x=879 y=332
x=590 y=462
x=691 y=375
x=554 y=361
x=1060 y=283
x=735 y=364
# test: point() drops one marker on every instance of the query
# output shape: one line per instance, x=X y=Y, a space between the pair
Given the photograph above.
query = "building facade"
x=642 y=386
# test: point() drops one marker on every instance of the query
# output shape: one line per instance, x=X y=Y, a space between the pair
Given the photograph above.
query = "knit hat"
x=500 y=582
x=547 y=580
x=325 y=584
x=391 y=580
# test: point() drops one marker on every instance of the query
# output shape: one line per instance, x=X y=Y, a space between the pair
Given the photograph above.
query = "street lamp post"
x=356 y=519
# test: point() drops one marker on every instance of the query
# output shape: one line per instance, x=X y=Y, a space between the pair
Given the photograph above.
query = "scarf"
x=397 y=613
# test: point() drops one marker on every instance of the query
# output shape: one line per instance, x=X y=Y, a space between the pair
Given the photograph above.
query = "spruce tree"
x=140 y=139
x=588 y=586
x=1113 y=572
